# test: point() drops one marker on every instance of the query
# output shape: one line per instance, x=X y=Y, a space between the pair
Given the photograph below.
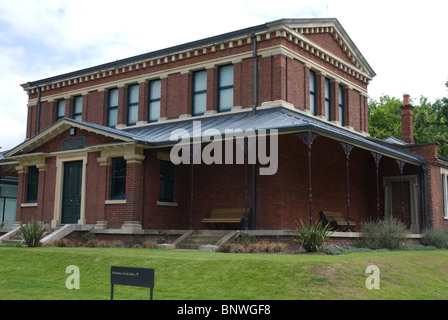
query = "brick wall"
x=281 y=77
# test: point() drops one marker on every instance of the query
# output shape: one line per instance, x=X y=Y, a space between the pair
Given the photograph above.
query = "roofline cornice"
x=168 y=54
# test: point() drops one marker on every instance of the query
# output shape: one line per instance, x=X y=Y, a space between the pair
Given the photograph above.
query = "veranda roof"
x=284 y=119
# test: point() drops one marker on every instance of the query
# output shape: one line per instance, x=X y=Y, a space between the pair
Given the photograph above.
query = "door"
x=71 y=192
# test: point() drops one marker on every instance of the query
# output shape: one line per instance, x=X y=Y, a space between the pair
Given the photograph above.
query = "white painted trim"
x=58 y=194
x=413 y=198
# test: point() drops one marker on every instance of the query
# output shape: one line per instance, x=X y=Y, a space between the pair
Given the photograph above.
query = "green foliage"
x=32 y=233
x=435 y=237
x=383 y=234
x=430 y=120
x=87 y=237
x=385 y=117
x=312 y=238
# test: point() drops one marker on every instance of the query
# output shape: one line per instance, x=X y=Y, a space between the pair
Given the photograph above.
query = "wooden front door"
x=71 y=193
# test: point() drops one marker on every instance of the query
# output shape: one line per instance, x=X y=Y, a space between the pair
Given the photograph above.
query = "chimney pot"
x=406 y=99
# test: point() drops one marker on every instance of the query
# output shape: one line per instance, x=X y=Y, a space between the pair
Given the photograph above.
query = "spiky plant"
x=313 y=236
x=32 y=233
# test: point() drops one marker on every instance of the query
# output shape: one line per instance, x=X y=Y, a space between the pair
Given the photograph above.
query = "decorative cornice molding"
x=277 y=30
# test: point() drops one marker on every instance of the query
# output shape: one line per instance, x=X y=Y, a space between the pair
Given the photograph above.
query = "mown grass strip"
x=39 y=273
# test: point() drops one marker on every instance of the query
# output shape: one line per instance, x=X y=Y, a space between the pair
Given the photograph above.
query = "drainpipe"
x=38 y=109
x=254 y=55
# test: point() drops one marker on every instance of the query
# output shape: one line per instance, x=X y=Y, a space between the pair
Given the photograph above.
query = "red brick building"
x=99 y=139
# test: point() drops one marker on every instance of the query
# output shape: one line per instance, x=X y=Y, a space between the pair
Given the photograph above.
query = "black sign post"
x=137 y=277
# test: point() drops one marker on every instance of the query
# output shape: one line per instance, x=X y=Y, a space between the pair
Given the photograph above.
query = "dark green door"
x=71 y=193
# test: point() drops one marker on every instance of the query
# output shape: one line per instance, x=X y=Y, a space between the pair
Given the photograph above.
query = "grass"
x=39 y=273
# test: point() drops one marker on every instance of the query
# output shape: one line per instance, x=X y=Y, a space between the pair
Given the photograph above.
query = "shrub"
x=95 y=243
x=334 y=250
x=383 y=234
x=65 y=243
x=435 y=237
x=246 y=238
x=32 y=233
x=87 y=237
x=312 y=238
x=232 y=248
x=254 y=246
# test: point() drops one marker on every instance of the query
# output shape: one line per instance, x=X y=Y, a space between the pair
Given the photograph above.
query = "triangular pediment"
x=62 y=128
x=328 y=34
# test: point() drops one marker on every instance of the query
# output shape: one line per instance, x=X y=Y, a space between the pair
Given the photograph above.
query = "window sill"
x=28 y=205
x=167 y=204
x=115 y=201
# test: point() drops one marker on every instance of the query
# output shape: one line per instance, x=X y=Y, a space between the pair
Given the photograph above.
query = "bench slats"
x=339 y=219
x=232 y=215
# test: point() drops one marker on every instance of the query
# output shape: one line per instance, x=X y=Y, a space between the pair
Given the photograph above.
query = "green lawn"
x=39 y=273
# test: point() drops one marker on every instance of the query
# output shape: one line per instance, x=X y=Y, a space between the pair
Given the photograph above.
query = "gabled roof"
x=333 y=26
x=63 y=125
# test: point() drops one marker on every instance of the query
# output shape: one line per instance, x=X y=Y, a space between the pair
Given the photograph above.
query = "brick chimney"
x=407 y=120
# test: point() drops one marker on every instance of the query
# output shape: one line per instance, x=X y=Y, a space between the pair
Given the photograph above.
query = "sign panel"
x=137 y=277
x=73 y=143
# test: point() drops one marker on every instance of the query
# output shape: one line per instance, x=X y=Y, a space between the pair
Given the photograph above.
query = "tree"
x=430 y=120
x=385 y=117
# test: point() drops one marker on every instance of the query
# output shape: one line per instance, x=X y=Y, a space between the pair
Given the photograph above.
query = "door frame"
x=58 y=194
x=413 y=201
x=75 y=177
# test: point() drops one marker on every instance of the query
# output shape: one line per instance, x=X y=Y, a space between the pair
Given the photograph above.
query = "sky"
x=405 y=42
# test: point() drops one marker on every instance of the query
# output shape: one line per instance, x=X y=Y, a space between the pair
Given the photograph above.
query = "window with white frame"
x=61 y=109
x=132 y=104
x=112 y=108
x=199 y=92
x=225 y=88
x=445 y=192
x=313 y=92
x=155 y=90
x=77 y=108
x=341 y=105
x=327 y=99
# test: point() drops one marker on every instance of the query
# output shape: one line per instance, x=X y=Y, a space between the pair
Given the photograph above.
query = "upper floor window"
x=32 y=184
x=313 y=92
x=77 y=108
x=327 y=99
x=154 y=100
x=199 y=92
x=341 y=105
x=225 y=88
x=132 y=104
x=118 y=179
x=60 y=110
x=112 y=108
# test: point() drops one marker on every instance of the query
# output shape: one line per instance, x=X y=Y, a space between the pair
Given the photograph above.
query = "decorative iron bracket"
x=307 y=138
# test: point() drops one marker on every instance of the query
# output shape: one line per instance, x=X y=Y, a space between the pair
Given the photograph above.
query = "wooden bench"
x=337 y=220
x=226 y=216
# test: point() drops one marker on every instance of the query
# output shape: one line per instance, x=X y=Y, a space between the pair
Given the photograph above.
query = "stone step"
x=16 y=238
x=202 y=237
